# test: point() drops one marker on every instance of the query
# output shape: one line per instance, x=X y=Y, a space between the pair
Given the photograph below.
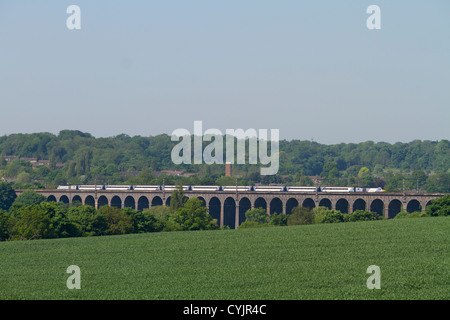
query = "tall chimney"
x=228 y=169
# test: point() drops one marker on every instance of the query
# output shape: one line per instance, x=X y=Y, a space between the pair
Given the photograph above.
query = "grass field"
x=327 y=261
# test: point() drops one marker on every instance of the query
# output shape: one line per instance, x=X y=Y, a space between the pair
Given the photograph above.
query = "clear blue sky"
x=309 y=68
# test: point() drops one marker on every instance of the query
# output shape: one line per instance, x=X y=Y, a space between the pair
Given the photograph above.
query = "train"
x=170 y=188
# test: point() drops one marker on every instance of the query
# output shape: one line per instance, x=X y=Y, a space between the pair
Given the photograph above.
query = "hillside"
x=73 y=157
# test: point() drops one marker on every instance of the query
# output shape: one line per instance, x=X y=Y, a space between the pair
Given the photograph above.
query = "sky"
x=311 y=69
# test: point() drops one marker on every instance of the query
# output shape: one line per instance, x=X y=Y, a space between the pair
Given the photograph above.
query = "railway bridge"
x=229 y=207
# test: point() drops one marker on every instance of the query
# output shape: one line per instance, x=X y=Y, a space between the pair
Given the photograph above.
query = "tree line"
x=258 y=217
x=76 y=157
x=29 y=216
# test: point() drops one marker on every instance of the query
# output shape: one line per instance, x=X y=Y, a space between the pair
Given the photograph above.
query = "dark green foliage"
x=4 y=223
x=132 y=160
x=7 y=196
x=87 y=221
x=252 y=224
x=439 y=183
x=61 y=226
x=258 y=215
x=439 y=207
x=117 y=221
x=278 y=219
x=58 y=220
x=27 y=198
x=415 y=214
x=300 y=215
x=191 y=216
x=361 y=215
x=29 y=223
x=145 y=221
x=333 y=216
x=177 y=199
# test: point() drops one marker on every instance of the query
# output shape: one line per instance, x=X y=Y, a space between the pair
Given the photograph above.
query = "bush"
x=258 y=215
x=61 y=227
x=29 y=223
x=361 y=215
x=252 y=224
x=278 y=219
x=159 y=212
x=7 y=195
x=300 y=216
x=117 y=221
x=333 y=216
x=191 y=216
x=415 y=214
x=29 y=197
x=87 y=221
x=320 y=213
x=4 y=222
x=144 y=221
x=439 y=207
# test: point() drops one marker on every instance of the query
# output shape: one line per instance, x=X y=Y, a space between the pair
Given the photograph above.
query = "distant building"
x=34 y=161
x=10 y=158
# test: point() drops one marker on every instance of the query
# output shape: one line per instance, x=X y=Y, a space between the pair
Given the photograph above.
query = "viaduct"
x=229 y=207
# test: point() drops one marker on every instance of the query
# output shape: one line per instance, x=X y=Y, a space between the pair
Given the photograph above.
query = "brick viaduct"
x=229 y=207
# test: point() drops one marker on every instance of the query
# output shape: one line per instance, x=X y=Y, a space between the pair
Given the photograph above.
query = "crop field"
x=326 y=261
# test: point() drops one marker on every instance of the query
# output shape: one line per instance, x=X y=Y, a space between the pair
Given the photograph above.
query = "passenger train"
x=170 y=188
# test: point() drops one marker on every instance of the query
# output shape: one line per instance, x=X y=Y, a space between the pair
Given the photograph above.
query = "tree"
x=417 y=180
x=60 y=226
x=365 y=178
x=226 y=181
x=194 y=216
x=439 y=183
x=300 y=215
x=87 y=220
x=29 y=223
x=28 y=198
x=258 y=215
x=4 y=223
x=117 y=221
x=319 y=214
x=23 y=178
x=83 y=159
x=439 y=207
x=147 y=220
x=333 y=216
x=160 y=212
x=361 y=215
x=394 y=182
x=330 y=170
x=177 y=199
x=278 y=219
x=7 y=196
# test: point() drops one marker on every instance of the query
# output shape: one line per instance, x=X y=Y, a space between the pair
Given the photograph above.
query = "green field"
x=326 y=261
